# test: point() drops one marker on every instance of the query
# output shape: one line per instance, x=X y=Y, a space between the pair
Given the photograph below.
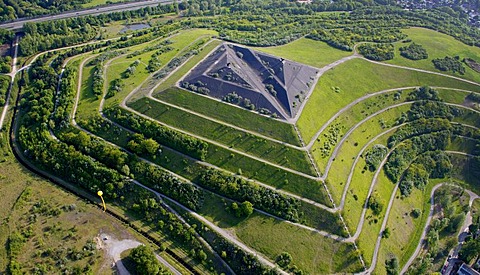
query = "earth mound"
x=254 y=80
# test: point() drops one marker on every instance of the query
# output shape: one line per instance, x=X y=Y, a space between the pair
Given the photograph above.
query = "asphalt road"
x=18 y=24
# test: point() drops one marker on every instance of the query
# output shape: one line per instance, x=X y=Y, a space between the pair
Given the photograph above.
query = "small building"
x=467 y=270
x=304 y=1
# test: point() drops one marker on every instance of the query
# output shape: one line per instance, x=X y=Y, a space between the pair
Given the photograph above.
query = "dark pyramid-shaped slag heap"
x=254 y=80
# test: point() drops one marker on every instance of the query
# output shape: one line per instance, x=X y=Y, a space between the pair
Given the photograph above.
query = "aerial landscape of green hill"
x=239 y=137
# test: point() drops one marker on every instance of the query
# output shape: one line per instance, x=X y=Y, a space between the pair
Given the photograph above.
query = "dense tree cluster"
x=5 y=36
x=418 y=127
x=56 y=157
x=471 y=249
x=374 y=156
x=474 y=97
x=245 y=209
x=424 y=93
x=392 y=266
x=4 y=84
x=97 y=81
x=63 y=99
x=401 y=157
x=145 y=262
x=167 y=184
x=377 y=52
x=65 y=32
x=5 y=64
x=429 y=165
x=414 y=51
x=54 y=34
x=115 y=87
x=239 y=189
x=162 y=134
x=128 y=165
x=429 y=109
x=450 y=64
x=11 y=9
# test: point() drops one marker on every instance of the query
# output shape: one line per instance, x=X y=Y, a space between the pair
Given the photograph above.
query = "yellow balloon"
x=100 y=193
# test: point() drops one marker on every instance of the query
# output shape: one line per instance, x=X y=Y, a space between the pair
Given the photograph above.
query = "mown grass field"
x=231 y=114
x=311 y=252
x=231 y=137
x=405 y=231
x=336 y=89
x=340 y=169
x=331 y=136
x=438 y=45
x=307 y=51
x=371 y=228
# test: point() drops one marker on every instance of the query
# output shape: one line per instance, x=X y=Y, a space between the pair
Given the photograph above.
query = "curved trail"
x=219 y=230
x=472 y=195
x=308 y=146
x=12 y=81
x=387 y=214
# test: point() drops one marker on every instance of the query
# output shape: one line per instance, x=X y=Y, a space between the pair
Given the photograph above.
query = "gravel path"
x=305 y=148
x=12 y=80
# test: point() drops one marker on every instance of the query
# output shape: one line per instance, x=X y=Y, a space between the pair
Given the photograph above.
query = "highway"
x=18 y=24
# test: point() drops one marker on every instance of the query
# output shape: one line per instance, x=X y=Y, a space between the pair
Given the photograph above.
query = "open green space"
x=307 y=51
x=231 y=137
x=179 y=43
x=154 y=64
x=371 y=228
x=340 y=169
x=309 y=250
x=405 y=229
x=231 y=114
x=336 y=89
x=438 y=45
x=94 y=3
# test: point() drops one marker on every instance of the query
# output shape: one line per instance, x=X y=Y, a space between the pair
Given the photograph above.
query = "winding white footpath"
x=306 y=147
x=12 y=77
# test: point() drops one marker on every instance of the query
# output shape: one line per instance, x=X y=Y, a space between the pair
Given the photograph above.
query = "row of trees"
x=162 y=134
x=66 y=32
x=4 y=84
x=130 y=166
x=154 y=63
x=92 y=164
x=239 y=189
x=418 y=127
x=10 y=9
x=97 y=81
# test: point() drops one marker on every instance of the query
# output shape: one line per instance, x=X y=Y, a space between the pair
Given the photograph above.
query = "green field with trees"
x=344 y=187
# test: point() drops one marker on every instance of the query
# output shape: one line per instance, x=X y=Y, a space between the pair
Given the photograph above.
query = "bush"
x=377 y=52
x=451 y=64
x=414 y=52
x=145 y=261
